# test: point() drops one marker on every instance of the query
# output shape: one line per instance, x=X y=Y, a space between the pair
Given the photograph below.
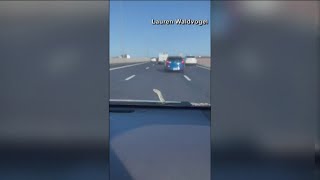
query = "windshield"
x=174 y=59
x=145 y=37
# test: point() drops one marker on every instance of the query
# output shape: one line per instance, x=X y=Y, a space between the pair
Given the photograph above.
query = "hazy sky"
x=132 y=32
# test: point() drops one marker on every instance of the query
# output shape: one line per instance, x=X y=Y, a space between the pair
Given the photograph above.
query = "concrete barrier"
x=204 y=62
x=201 y=61
x=131 y=60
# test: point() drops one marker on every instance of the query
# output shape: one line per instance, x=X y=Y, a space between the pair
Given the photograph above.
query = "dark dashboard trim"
x=157 y=106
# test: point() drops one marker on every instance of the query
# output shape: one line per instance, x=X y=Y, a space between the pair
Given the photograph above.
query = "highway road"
x=146 y=80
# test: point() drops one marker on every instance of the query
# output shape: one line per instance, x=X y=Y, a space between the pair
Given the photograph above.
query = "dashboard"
x=159 y=143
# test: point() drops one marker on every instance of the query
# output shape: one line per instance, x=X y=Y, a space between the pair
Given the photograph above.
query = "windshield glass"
x=144 y=35
x=174 y=59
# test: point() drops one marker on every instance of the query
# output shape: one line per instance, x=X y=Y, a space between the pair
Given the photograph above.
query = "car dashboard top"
x=159 y=142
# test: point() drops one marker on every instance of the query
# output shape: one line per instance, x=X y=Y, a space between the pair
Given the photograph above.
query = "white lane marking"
x=159 y=95
x=130 y=77
x=147 y=67
x=111 y=69
x=187 y=78
x=203 y=67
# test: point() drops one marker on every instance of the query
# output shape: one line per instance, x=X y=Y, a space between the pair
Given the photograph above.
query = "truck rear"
x=162 y=57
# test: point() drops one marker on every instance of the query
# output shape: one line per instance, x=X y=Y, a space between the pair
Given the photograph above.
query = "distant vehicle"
x=191 y=60
x=126 y=56
x=153 y=59
x=162 y=57
x=174 y=63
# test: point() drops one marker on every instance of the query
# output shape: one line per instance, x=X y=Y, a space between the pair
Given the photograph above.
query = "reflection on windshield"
x=164 y=63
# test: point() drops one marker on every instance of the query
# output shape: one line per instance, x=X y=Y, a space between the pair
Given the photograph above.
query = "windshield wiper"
x=157 y=103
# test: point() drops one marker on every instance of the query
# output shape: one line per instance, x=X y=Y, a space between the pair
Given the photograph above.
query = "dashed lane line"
x=130 y=77
x=187 y=78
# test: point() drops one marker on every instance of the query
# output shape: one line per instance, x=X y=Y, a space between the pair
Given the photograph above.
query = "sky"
x=132 y=32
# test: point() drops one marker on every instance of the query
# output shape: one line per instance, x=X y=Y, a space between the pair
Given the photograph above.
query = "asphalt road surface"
x=145 y=81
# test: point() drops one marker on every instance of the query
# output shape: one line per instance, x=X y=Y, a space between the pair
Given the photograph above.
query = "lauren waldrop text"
x=180 y=22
